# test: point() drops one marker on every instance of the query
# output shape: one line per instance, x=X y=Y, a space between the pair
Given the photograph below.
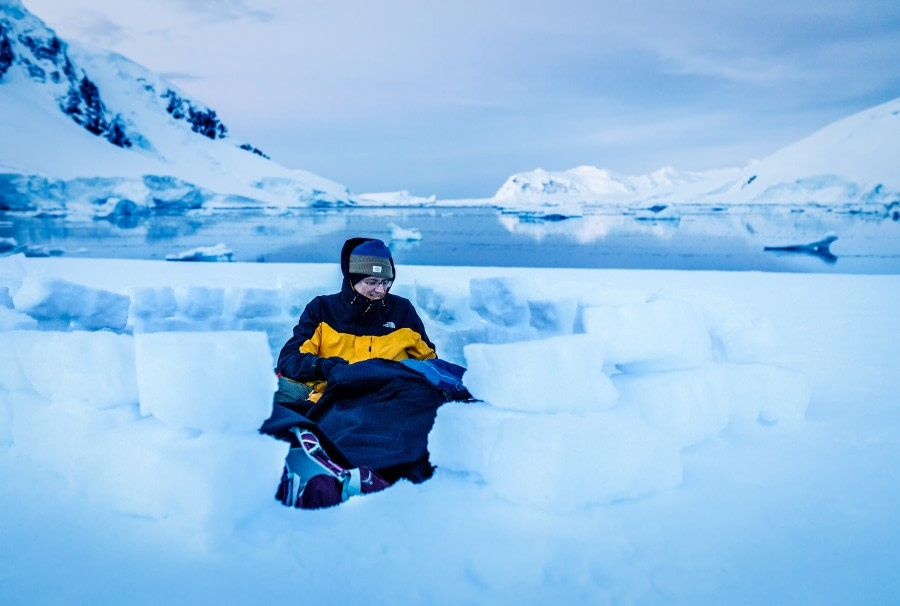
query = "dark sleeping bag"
x=375 y=413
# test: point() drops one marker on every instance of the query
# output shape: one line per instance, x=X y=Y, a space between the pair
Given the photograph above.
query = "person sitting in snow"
x=373 y=416
x=360 y=322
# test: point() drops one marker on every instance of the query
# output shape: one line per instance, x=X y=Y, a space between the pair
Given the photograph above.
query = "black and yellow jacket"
x=350 y=326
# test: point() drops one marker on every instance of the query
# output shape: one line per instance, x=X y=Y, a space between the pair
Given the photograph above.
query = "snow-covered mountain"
x=568 y=192
x=852 y=162
x=88 y=131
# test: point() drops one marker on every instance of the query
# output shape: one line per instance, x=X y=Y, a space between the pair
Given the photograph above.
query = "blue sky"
x=450 y=98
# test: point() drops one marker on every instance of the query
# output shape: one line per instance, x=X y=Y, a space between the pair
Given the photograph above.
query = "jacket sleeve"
x=292 y=363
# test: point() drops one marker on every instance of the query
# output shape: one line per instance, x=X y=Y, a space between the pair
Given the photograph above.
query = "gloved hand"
x=325 y=365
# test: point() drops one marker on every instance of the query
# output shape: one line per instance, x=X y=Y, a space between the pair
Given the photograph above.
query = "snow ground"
x=648 y=437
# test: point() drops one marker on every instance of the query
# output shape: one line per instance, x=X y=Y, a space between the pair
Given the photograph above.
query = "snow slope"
x=646 y=437
x=856 y=159
x=82 y=126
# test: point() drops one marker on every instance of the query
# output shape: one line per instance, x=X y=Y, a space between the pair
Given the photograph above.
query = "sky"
x=451 y=98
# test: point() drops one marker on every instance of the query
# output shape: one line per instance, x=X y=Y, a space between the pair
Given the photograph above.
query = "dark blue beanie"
x=372 y=258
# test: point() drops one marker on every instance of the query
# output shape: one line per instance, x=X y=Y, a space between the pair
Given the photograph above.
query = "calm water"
x=466 y=236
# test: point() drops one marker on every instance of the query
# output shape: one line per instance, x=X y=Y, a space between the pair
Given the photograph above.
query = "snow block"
x=54 y=365
x=61 y=304
x=10 y=319
x=496 y=300
x=206 y=380
x=12 y=272
x=738 y=333
x=153 y=302
x=201 y=303
x=551 y=315
x=655 y=336
x=559 y=374
x=444 y=303
x=6 y=301
x=258 y=303
x=558 y=462
x=697 y=404
x=141 y=467
x=462 y=436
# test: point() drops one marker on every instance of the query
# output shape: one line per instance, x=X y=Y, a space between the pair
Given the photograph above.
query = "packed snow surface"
x=644 y=437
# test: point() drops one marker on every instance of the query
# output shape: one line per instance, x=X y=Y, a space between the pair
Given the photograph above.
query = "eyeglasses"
x=375 y=283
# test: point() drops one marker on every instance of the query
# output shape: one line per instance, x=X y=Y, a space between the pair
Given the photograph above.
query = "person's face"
x=373 y=288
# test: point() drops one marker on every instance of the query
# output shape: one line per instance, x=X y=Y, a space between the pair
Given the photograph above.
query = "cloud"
x=228 y=10
x=98 y=29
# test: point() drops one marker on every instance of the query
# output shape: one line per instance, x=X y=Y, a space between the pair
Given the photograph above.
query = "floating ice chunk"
x=206 y=380
x=659 y=335
x=402 y=234
x=547 y=375
x=219 y=252
x=61 y=304
x=496 y=300
x=557 y=462
x=55 y=366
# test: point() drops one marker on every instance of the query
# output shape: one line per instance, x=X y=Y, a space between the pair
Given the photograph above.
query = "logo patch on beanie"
x=376 y=269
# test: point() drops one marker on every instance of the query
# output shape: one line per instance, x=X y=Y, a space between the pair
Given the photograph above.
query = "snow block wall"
x=602 y=413
x=157 y=425
x=589 y=394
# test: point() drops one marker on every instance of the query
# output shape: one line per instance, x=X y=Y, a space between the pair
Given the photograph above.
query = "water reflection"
x=587 y=229
x=727 y=239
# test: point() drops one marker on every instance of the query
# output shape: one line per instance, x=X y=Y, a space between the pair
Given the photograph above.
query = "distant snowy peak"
x=32 y=51
x=852 y=164
x=589 y=183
